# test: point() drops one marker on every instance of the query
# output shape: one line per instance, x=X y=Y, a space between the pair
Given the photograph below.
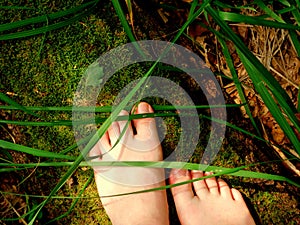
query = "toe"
x=113 y=137
x=224 y=188
x=102 y=146
x=200 y=187
x=144 y=127
x=236 y=195
x=211 y=183
x=181 y=193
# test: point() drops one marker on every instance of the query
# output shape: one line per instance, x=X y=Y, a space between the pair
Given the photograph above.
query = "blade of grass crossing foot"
x=238 y=171
x=223 y=171
x=103 y=109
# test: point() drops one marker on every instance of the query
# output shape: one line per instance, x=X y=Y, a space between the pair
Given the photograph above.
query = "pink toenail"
x=143 y=108
x=208 y=173
x=177 y=173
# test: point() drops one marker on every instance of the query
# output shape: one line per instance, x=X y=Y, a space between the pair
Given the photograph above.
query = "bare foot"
x=213 y=203
x=144 y=208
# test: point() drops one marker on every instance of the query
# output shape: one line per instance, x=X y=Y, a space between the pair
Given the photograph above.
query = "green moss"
x=274 y=206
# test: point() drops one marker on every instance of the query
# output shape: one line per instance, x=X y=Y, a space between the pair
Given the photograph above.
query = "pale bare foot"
x=144 y=145
x=208 y=201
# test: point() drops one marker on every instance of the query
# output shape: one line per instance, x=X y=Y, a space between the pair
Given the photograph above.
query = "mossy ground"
x=44 y=70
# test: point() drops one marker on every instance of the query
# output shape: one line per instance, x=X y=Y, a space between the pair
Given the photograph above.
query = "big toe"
x=182 y=194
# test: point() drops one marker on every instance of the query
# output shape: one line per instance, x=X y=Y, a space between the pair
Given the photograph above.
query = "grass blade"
x=44 y=18
x=107 y=109
x=238 y=18
x=33 y=151
x=237 y=81
x=123 y=20
x=43 y=29
x=11 y=102
x=217 y=170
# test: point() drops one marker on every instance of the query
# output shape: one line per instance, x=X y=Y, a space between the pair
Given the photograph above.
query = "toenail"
x=143 y=107
x=208 y=173
x=177 y=173
x=197 y=171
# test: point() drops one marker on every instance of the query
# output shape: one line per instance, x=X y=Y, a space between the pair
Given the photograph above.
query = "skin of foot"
x=139 y=142
x=208 y=201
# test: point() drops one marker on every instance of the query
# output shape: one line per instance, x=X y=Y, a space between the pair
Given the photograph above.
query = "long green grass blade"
x=43 y=29
x=107 y=109
x=296 y=15
x=296 y=43
x=45 y=18
x=123 y=20
x=238 y=18
x=39 y=123
x=217 y=170
x=126 y=26
x=192 y=9
x=33 y=151
x=87 y=121
x=298 y=97
x=270 y=12
x=231 y=172
x=16 y=105
x=236 y=81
